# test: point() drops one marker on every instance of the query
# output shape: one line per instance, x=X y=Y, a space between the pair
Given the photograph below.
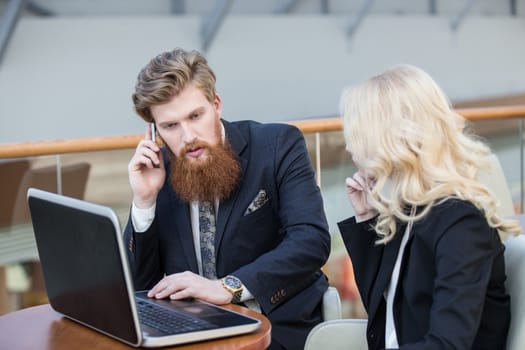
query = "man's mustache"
x=193 y=146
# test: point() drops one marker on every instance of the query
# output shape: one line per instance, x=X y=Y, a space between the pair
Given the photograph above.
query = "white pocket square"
x=257 y=202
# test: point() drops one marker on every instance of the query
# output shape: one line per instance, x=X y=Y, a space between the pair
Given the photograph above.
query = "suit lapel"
x=385 y=270
x=238 y=144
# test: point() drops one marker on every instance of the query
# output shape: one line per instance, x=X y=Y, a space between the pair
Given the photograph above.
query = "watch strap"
x=236 y=297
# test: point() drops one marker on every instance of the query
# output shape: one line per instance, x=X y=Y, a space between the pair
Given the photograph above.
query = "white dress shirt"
x=390 y=327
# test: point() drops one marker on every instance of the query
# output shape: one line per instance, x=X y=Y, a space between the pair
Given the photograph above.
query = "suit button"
x=371 y=335
x=131 y=245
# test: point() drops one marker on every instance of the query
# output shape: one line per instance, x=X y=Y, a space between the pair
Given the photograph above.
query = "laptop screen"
x=83 y=271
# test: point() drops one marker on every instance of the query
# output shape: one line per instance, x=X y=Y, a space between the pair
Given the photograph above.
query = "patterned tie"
x=207 y=238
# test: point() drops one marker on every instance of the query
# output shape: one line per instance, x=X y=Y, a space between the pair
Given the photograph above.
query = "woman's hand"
x=357 y=188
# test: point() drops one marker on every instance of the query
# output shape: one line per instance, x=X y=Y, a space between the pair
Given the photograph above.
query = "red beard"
x=215 y=177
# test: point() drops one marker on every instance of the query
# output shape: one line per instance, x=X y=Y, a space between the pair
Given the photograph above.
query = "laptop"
x=88 y=280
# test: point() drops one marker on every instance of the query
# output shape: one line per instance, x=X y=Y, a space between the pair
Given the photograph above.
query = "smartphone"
x=154 y=139
x=153 y=133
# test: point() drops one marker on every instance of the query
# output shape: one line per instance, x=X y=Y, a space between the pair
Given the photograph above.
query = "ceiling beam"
x=432 y=8
x=8 y=22
x=325 y=7
x=513 y=8
x=361 y=14
x=456 y=21
x=211 y=23
x=38 y=9
x=178 y=7
x=285 y=7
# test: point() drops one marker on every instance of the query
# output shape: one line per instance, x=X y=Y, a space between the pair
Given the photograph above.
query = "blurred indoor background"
x=68 y=68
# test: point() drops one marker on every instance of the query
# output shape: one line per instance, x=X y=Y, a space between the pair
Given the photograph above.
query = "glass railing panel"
x=108 y=178
x=99 y=177
x=18 y=253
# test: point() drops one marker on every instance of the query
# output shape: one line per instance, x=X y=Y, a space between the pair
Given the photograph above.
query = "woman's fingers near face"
x=365 y=182
x=352 y=185
x=359 y=180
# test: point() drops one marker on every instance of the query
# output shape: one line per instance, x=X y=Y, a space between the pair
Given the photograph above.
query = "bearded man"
x=226 y=212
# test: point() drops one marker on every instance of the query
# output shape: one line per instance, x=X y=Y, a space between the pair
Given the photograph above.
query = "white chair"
x=344 y=334
x=331 y=305
x=335 y=333
x=515 y=269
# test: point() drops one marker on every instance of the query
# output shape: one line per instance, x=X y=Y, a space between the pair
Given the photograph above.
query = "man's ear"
x=217 y=103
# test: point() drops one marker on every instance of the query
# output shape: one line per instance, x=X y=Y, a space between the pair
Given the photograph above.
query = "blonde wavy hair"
x=400 y=128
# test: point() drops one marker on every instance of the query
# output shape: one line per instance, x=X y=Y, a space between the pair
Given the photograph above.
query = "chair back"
x=11 y=174
x=497 y=184
x=344 y=334
x=515 y=269
x=74 y=181
x=331 y=305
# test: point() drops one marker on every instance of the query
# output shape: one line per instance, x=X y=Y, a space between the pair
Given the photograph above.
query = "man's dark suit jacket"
x=276 y=251
x=451 y=292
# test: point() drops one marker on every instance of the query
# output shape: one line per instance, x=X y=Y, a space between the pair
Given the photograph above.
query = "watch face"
x=232 y=282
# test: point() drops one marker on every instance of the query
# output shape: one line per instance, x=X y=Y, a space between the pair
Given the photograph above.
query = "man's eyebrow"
x=188 y=115
x=195 y=110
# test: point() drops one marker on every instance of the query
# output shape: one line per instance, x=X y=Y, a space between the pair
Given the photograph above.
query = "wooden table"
x=40 y=327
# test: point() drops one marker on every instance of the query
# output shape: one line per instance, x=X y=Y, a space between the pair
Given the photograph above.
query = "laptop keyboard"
x=169 y=321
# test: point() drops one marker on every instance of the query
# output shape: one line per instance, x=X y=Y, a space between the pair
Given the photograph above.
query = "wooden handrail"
x=88 y=144
x=473 y=114
x=92 y=144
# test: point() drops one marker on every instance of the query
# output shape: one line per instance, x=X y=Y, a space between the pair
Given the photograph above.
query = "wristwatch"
x=233 y=285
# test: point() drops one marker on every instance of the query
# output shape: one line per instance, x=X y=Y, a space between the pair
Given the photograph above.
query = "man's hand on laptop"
x=190 y=285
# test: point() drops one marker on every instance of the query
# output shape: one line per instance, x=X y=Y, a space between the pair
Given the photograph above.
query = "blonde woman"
x=424 y=241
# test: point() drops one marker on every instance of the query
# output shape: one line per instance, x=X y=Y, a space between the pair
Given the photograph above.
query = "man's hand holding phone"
x=146 y=170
